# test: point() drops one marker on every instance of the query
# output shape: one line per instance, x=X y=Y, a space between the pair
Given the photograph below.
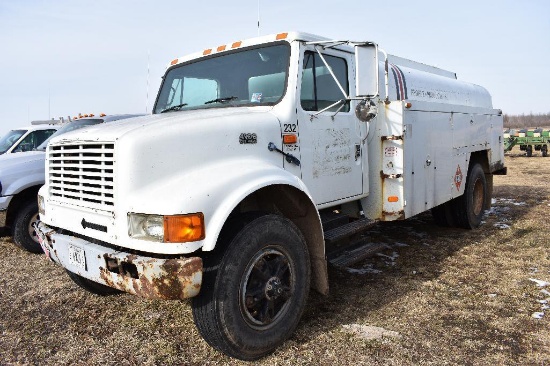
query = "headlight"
x=167 y=229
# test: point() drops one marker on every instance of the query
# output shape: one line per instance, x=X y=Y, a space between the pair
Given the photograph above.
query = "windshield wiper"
x=174 y=108
x=221 y=100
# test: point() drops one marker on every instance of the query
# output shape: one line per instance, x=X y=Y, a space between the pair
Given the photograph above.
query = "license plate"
x=77 y=257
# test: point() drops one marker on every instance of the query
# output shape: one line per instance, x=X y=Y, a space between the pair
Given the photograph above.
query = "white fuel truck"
x=260 y=157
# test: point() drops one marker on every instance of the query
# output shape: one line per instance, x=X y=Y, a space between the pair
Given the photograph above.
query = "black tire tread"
x=461 y=205
x=205 y=307
x=20 y=227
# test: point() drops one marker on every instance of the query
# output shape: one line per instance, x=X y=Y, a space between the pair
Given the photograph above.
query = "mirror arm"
x=331 y=73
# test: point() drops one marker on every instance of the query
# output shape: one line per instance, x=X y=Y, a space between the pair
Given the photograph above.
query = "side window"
x=319 y=90
x=33 y=139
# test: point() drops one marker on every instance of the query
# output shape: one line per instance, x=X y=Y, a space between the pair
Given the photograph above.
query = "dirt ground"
x=434 y=296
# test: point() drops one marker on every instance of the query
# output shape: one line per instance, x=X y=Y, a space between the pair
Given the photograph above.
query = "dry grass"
x=442 y=296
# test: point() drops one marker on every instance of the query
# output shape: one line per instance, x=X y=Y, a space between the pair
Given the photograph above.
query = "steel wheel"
x=30 y=228
x=255 y=288
x=266 y=289
x=478 y=197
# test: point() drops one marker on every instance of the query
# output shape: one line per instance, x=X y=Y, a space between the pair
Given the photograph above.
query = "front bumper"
x=4 y=204
x=154 y=278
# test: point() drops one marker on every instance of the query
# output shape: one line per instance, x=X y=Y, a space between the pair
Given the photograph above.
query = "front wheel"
x=471 y=205
x=23 y=230
x=254 y=294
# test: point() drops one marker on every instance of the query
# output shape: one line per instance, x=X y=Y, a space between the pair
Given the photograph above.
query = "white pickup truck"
x=260 y=158
x=26 y=138
x=22 y=174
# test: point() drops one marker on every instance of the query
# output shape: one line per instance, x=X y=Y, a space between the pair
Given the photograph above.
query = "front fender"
x=17 y=180
x=215 y=190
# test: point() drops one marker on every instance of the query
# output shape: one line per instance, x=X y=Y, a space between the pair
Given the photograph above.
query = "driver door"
x=330 y=140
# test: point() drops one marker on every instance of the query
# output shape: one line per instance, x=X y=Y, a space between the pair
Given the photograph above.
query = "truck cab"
x=26 y=138
x=261 y=156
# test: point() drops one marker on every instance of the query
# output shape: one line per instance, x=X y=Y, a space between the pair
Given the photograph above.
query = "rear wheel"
x=471 y=205
x=91 y=286
x=444 y=214
x=23 y=230
x=544 y=150
x=529 y=150
x=254 y=293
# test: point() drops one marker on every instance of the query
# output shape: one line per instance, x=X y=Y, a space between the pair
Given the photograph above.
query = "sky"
x=64 y=57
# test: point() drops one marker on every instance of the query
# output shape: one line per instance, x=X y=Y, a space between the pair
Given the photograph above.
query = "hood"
x=19 y=171
x=20 y=159
x=112 y=131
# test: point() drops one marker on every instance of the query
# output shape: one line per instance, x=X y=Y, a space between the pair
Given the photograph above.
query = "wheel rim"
x=478 y=197
x=266 y=288
x=32 y=233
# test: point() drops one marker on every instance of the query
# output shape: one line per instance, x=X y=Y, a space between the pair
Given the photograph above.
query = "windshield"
x=254 y=76
x=70 y=127
x=9 y=139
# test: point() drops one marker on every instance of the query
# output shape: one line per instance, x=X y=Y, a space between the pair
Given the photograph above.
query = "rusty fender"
x=169 y=279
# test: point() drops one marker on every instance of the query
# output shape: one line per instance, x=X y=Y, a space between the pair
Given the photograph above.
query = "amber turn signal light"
x=184 y=228
x=290 y=139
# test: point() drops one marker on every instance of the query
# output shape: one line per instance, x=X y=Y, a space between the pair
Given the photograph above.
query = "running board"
x=355 y=253
x=347 y=230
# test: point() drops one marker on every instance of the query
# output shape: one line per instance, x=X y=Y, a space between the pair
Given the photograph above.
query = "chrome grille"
x=82 y=174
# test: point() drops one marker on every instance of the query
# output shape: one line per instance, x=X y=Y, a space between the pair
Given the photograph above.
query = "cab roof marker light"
x=236 y=44
x=174 y=62
x=207 y=52
x=281 y=36
x=220 y=48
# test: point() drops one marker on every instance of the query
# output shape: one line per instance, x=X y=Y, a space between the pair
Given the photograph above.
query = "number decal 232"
x=289 y=127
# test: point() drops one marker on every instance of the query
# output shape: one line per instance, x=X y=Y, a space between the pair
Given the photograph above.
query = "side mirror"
x=366 y=67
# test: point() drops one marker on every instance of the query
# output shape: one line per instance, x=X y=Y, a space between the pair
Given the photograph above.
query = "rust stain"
x=400 y=214
x=174 y=279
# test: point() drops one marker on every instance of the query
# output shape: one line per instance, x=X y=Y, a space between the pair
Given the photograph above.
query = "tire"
x=443 y=214
x=253 y=294
x=529 y=150
x=23 y=231
x=544 y=149
x=91 y=286
x=471 y=205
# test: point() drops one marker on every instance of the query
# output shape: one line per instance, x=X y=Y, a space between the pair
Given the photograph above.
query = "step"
x=347 y=230
x=355 y=253
x=331 y=220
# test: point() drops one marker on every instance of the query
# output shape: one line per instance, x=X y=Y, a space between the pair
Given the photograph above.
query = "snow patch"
x=362 y=271
x=543 y=302
x=369 y=332
x=392 y=258
x=539 y=283
x=501 y=225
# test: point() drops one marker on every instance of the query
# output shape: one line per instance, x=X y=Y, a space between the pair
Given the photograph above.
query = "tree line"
x=527 y=120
